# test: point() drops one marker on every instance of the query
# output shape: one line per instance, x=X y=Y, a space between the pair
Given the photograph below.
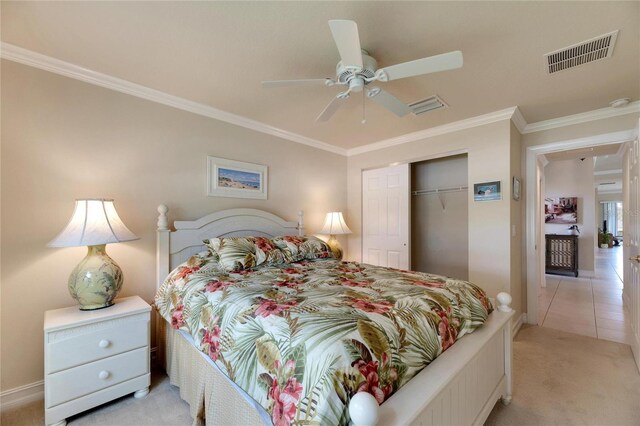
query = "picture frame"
x=236 y=179
x=487 y=191
x=562 y=210
x=515 y=189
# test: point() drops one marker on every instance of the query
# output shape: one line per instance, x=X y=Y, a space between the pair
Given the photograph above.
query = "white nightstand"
x=91 y=357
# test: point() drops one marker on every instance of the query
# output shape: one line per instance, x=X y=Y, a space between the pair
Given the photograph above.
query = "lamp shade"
x=94 y=222
x=334 y=224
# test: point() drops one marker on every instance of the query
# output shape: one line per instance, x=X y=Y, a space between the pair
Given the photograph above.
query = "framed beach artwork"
x=236 y=179
x=487 y=191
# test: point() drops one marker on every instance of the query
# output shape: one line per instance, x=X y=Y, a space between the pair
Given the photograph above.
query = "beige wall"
x=63 y=139
x=518 y=280
x=489 y=157
x=574 y=178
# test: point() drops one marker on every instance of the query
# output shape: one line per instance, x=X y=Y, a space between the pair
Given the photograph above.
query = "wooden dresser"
x=561 y=254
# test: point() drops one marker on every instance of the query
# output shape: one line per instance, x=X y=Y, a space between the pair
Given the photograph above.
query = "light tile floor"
x=588 y=306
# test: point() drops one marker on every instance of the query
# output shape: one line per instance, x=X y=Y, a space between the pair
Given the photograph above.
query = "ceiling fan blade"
x=307 y=82
x=444 y=62
x=345 y=34
x=330 y=109
x=388 y=101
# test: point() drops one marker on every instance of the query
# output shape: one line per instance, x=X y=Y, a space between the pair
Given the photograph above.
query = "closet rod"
x=436 y=191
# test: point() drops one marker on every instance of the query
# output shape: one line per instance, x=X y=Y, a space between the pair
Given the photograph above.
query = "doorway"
x=535 y=161
x=589 y=303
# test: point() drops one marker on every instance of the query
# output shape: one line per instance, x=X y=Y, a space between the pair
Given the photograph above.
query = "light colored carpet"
x=559 y=379
x=566 y=379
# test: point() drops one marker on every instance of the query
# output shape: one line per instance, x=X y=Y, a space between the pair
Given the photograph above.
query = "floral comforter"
x=302 y=338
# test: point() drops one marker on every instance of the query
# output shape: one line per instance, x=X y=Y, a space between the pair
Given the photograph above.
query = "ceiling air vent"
x=582 y=53
x=425 y=105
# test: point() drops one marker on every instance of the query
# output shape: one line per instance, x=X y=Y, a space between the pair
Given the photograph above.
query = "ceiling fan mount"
x=358 y=69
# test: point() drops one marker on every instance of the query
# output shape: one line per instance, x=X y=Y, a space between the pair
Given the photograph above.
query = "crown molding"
x=518 y=120
x=56 y=66
x=468 y=123
x=582 y=117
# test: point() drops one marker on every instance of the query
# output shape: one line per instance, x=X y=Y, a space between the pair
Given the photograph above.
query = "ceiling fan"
x=357 y=69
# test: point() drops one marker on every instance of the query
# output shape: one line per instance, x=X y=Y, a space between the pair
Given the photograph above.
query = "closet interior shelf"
x=439 y=190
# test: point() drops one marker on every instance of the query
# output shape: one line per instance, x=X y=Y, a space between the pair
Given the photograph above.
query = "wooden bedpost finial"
x=163 y=222
x=504 y=302
x=363 y=409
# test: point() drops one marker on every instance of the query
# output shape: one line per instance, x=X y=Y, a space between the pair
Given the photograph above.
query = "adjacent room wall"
x=489 y=223
x=574 y=178
x=63 y=139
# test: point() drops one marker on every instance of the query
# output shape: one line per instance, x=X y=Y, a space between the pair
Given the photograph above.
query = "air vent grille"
x=607 y=183
x=582 y=53
x=429 y=104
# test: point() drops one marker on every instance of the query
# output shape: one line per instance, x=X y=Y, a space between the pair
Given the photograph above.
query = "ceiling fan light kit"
x=357 y=69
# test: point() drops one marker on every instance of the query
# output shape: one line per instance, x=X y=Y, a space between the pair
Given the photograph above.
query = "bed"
x=460 y=386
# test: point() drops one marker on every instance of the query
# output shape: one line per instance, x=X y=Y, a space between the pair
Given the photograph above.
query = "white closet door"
x=385 y=216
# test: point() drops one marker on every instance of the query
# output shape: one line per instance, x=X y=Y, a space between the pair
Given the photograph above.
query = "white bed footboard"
x=460 y=387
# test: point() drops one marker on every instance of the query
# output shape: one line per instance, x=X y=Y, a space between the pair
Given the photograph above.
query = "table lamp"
x=334 y=225
x=97 y=279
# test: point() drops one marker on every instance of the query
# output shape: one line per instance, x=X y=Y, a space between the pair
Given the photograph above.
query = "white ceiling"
x=217 y=53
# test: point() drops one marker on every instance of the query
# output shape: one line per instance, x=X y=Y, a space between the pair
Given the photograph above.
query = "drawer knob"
x=104 y=343
x=103 y=375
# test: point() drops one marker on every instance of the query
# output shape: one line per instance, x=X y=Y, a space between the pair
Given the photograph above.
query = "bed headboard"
x=175 y=247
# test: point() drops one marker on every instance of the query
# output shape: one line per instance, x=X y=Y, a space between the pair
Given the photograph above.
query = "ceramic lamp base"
x=96 y=281
x=334 y=245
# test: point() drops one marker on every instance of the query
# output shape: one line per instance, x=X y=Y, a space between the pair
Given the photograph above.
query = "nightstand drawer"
x=94 y=345
x=85 y=379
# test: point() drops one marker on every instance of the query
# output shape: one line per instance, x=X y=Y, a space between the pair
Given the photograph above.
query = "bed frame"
x=460 y=387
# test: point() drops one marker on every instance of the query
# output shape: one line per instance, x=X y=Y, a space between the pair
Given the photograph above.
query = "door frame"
x=534 y=257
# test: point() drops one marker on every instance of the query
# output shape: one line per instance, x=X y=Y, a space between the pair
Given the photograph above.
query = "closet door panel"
x=385 y=216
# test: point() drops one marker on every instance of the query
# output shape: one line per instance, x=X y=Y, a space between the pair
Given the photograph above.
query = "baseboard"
x=22 y=395
x=515 y=328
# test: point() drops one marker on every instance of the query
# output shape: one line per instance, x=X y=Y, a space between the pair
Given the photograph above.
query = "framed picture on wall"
x=515 y=190
x=487 y=191
x=561 y=210
x=236 y=179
